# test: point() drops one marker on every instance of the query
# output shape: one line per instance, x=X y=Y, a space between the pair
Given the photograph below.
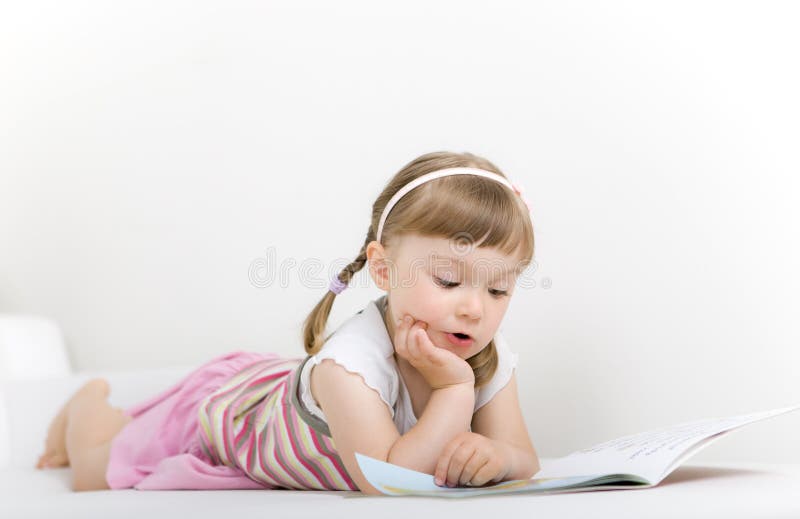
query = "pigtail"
x=314 y=325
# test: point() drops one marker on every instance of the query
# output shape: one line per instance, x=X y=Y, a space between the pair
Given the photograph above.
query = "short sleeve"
x=506 y=363
x=357 y=354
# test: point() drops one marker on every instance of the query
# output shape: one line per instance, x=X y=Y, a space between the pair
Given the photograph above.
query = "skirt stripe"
x=250 y=423
x=295 y=437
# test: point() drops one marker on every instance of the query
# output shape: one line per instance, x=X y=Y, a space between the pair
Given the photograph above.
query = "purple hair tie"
x=337 y=286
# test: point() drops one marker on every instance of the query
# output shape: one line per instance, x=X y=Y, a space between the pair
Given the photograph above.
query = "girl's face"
x=452 y=290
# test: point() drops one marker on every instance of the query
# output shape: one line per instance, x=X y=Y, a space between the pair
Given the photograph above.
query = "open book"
x=636 y=461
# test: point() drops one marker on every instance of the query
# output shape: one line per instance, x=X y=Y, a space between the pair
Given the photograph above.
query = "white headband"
x=438 y=174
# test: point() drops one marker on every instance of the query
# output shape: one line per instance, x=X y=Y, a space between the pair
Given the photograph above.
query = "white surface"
x=729 y=491
x=721 y=491
x=151 y=152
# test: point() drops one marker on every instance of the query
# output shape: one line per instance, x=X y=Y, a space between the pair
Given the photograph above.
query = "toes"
x=50 y=461
x=42 y=463
x=59 y=460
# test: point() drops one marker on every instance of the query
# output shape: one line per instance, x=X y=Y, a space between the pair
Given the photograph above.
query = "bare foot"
x=55 y=449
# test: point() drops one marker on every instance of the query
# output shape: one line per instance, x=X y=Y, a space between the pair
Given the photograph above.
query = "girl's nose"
x=471 y=305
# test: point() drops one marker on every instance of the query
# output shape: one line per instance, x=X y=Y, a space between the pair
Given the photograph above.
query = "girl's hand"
x=439 y=367
x=471 y=459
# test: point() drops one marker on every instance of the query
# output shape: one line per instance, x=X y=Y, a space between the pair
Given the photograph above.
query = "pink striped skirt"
x=255 y=423
x=161 y=448
x=229 y=424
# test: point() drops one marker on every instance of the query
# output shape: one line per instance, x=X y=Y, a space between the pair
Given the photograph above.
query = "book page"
x=400 y=481
x=651 y=454
x=646 y=458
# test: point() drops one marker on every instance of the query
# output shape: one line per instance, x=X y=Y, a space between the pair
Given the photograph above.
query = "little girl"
x=420 y=377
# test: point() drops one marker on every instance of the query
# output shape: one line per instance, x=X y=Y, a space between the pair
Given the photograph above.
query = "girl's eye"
x=445 y=283
x=450 y=284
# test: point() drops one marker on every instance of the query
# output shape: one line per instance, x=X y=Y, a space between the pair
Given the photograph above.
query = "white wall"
x=150 y=152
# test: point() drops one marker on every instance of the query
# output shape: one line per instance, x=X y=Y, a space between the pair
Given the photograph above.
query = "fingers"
x=401 y=336
x=488 y=471
x=409 y=339
x=472 y=469
x=417 y=344
x=456 y=472
x=446 y=464
x=466 y=461
x=427 y=348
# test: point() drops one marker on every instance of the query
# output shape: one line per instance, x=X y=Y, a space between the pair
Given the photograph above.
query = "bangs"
x=467 y=208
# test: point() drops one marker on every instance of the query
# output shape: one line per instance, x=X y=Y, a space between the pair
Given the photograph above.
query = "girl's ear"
x=378 y=265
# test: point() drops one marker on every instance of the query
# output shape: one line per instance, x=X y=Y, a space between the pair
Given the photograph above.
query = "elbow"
x=534 y=466
x=364 y=486
x=527 y=467
x=371 y=492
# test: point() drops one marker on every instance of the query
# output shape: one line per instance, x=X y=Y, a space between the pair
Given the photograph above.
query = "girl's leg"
x=55 y=446
x=55 y=449
x=90 y=426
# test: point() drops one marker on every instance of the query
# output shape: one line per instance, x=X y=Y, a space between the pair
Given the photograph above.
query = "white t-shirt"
x=362 y=345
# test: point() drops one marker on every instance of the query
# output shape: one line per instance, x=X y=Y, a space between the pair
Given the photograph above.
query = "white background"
x=151 y=152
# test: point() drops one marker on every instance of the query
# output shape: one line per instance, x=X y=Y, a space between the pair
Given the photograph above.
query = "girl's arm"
x=360 y=421
x=501 y=420
x=356 y=415
x=447 y=413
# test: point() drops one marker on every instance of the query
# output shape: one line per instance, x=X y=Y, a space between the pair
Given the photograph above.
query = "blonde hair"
x=466 y=205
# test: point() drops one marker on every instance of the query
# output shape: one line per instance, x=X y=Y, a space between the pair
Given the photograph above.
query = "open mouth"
x=459 y=339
